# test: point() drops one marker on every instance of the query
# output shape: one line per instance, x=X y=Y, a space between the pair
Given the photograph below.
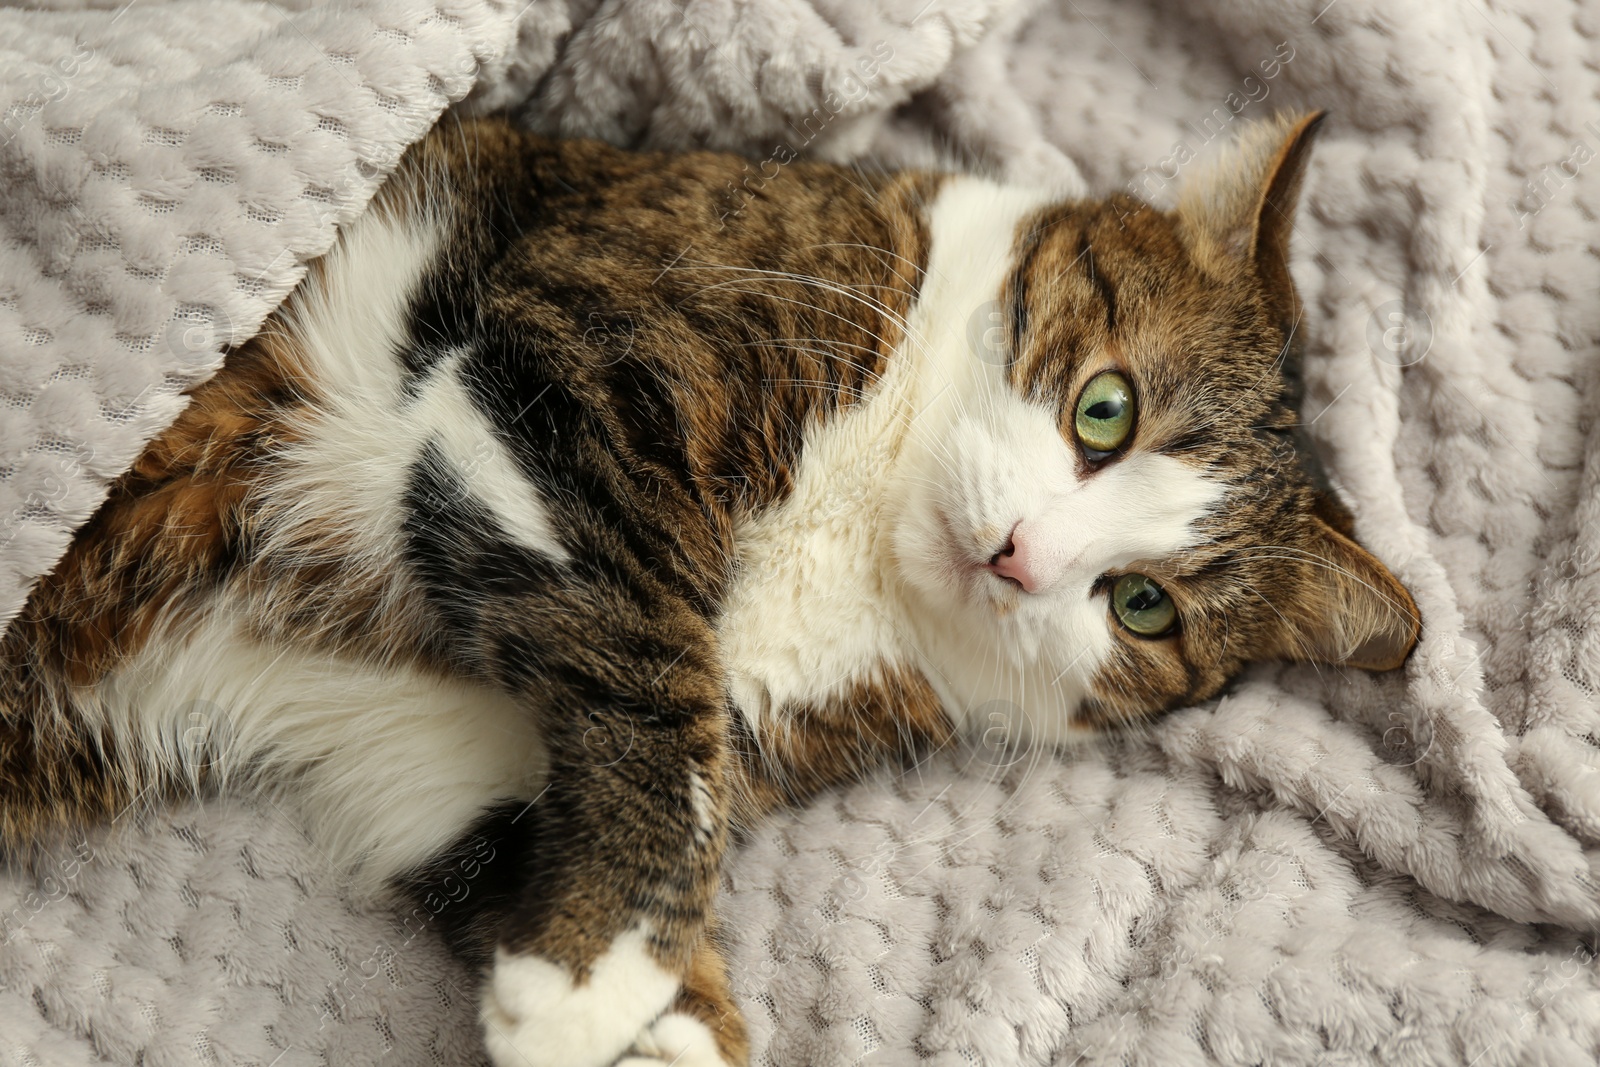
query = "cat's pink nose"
x=1012 y=562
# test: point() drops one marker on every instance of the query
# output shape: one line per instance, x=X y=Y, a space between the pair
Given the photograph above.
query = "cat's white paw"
x=677 y=1040
x=535 y=1016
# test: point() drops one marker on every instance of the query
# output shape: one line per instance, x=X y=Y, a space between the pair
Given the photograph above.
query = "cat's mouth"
x=971 y=566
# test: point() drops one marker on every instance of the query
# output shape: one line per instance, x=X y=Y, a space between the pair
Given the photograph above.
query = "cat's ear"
x=1243 y=205
x=1350 y=611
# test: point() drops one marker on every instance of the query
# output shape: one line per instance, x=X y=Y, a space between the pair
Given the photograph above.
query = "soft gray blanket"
x=1324 y=867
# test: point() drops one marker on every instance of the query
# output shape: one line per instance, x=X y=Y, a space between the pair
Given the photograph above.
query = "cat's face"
x=1118 y=502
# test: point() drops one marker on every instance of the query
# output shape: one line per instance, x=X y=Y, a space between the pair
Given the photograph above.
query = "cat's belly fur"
x=387 y=764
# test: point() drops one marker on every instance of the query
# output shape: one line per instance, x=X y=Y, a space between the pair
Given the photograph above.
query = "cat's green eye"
x=1143 y=606
x=1105 y=414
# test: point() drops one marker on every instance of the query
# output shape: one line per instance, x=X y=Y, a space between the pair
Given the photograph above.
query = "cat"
x=564 y=522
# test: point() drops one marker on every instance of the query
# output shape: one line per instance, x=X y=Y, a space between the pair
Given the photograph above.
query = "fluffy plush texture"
x=1318 y=869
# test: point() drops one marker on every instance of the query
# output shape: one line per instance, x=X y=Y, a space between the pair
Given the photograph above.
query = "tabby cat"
x=564 y=516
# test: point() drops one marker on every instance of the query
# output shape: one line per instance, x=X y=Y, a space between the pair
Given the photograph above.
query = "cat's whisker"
x=838 y=288
x=803 y=344
x=916 y=268
x=1268 y=552
x=812 y=307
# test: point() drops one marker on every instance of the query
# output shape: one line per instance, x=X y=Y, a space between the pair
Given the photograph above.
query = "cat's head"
x=1118 y=507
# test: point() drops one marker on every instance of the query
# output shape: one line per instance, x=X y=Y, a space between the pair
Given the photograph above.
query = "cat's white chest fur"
x=817 y=601
x=812 y=607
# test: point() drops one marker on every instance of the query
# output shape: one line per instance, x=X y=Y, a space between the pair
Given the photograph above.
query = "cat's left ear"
x=1242 y=207
x=1349 y=610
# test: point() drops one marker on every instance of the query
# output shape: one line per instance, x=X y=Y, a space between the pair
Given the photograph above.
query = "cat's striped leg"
x=587 y=595
x=701 y=1026
x=622 y=864
x=624 y=845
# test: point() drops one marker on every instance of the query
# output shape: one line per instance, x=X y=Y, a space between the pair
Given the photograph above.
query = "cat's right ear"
x=1347 y=608
x=1241 y=208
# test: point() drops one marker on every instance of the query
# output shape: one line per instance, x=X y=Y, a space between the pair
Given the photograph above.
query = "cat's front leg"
x=600 y=958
